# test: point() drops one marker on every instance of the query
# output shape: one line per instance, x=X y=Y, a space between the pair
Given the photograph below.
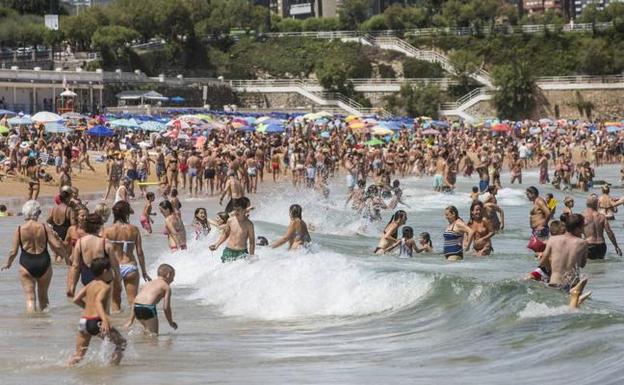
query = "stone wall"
x=482 y=110
x=606 y=103
x=275 y=100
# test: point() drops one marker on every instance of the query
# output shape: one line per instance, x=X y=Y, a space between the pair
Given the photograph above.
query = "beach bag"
x=536 y=245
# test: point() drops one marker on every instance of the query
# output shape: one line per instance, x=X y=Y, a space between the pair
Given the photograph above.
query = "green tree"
x=420 y=99
x=79 y=29
x=414 y=68
x=289 y=25
x=515 y=90
x=113 y=43
x=596 y=57
x=333 y=75
x=375 y=23
x=353 y=12
x=465 y=64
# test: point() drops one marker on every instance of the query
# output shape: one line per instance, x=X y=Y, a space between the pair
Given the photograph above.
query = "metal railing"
x=465 y=99
x=580 y=79
x=456 y=31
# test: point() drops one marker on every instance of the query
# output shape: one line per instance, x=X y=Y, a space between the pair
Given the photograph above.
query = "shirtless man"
x=450 y=175
x=538 y=218
x=233 y=189
x=194 y=164
x=239 y=234
x=516 y=169
x=565 y=255
x=438 y=178
x=209 y=164
x=543 y=169
x=252 y=175
x=596 y=224
x=493 y=211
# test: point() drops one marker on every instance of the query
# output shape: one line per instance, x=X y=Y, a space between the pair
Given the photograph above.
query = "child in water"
x=474 y=195
x=424 y=241
x=149 y=296
x=94 y=321
x=174 y=227
x=407 y=245
x=200 y=223
x=146 y=220
x=175 y=201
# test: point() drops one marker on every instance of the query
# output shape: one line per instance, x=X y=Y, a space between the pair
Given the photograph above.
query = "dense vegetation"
x=225 y=38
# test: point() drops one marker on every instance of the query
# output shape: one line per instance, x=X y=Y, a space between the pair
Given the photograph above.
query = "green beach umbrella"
x=374 y=142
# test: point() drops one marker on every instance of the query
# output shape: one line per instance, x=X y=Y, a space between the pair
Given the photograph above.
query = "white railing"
x=465 y=99
x=457 y=31
x=580 y=79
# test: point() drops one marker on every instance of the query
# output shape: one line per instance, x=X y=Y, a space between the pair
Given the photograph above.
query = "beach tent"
x=101 y=131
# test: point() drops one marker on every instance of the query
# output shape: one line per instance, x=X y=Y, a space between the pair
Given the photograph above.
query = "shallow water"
x=340 y=315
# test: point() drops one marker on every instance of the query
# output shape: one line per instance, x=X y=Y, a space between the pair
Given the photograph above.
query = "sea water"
x=339 y=314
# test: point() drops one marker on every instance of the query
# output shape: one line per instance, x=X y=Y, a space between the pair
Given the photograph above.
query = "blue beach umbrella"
x=613 y=129
x=177 y=99
x=101 y=131
x=7 y=112
x=274 y=128
x=126 y=123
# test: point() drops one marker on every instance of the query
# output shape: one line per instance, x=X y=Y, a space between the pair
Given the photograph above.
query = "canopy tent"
x=101 y=131
x=141 y=96
x=68 y=93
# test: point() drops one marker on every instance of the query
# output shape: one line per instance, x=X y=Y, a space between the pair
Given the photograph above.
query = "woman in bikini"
x=35 y=272
x=88 y=248
x=126 y=238
x=454 y=244
x=297 y=234
x=482 y=228
x=391 y=232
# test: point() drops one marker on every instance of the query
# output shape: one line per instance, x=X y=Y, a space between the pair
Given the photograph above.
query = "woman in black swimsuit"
x=35 y=267
x=61 y=213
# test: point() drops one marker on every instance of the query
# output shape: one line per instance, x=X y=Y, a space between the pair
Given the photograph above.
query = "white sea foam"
x=292 y=285
x=539 y=310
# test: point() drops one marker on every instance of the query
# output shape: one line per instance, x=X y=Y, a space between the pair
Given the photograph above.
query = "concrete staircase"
x=459 y=108
x=311 y=91
x=433 y=56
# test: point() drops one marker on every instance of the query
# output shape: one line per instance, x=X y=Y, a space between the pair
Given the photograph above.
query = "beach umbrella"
x=20 y=120
x=439 y=124
x=351 y=118
x=72 y=116
x=179 y=124
x=382 y=131
x=45 y=117
x=357 y=125
x=4 y=130
x=431 y=131
x=177 y=99
x=153 y=126
x=612 y=129
x=501 y=127
x=264 y=119
x=126 y=123
x=274 y=128
x=248 y=128
x=55 y=128
x=7 y=112
x=374 y=142
x=101 y=131
x=325 y=134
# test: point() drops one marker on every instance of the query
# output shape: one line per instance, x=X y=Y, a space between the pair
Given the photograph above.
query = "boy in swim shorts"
x=149 y=296
x=94 y=321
